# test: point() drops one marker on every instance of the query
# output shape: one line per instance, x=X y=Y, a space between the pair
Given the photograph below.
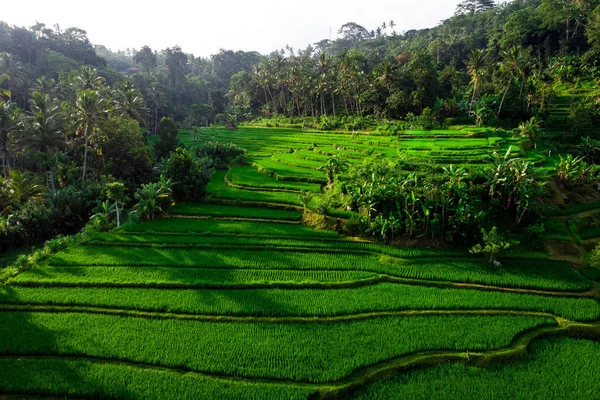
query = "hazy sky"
x=203 y=27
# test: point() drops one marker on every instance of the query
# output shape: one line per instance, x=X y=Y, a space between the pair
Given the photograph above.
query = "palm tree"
x=87 y=78
x=88 y=114
x=45 y=127
x=24 y=186
x=129 y=102
x=334 y=166
x=529 y=129
x=3 y=92
x=510 y=66
x=44 y=85
x=13 y=69
x=8 y=126
x=385 y=75
x=476 y=69
x=156 y=102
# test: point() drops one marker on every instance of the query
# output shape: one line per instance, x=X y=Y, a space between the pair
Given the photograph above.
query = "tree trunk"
x=502 y=101
x=333 y=103
x=118 y=214
x=85 y=154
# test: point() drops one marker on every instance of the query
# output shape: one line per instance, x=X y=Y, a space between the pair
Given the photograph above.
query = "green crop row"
x=536 y=274
x=291 y=351
x=248 y=176
x=216 y=210
x=207 y=227
x=89 y=379
x=287 y=172
x=116 y=238
x=383 y=297
x=157 y=276
x=558 y=368
x=219 y=189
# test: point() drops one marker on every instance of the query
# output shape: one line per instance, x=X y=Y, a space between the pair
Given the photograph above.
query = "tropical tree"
x=476 y=65
x=529 y=129
x=333 y=167
x=146 y=58
x=13 y=70
x=511 y=66
x=129 y=102
x=115 y=191
x=88 y=115
x=87 y=78
x=24 y=186
x=493 y=244
x=8 y=126
x=44 y=127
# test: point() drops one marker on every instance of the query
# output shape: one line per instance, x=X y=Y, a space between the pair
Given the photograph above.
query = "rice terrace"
x=390 y=215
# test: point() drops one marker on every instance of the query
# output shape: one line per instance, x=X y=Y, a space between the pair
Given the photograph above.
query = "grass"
x=248 y=176
x=558 y=368
x=217 y=188
x=89 y=379
x=293 y=351
x=215 y=210
x=243 y=228
x=536 y=274
x=383 y=297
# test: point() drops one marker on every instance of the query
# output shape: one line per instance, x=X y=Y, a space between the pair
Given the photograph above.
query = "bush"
x=188 y=174
x=221 y=153
x=168 y=142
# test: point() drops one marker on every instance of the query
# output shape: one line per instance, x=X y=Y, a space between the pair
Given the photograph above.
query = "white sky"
x=203 y=27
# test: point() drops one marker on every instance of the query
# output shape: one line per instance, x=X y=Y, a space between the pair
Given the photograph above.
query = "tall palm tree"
x=129 y=102
x=12 y=69
x=8 y=126
x=476 y=64
x=44 y=130
x=155 y=100
x=87 y=78
x=44 y=85
x=88 y=114
x=511 y=66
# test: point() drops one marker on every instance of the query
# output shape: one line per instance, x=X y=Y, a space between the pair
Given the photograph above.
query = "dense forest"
x=76 y=118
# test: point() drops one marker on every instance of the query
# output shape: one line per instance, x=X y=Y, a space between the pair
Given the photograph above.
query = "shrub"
x=189 y=174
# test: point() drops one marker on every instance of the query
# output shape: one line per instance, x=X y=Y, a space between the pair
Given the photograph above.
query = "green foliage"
x=222 y=153
x=232 y=211
x=189 y=174
x=542 y=373
x=154 y=199
x=530 y=274
x=292 y=351
x=168 y=142
x=572 y=171
x=493 y=244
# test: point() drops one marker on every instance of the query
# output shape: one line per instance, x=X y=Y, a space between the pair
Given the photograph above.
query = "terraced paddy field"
x=199 y=307
x=236 y=299
x=281 y=163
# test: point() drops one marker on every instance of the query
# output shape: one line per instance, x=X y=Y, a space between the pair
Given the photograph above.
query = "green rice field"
x=236 y=298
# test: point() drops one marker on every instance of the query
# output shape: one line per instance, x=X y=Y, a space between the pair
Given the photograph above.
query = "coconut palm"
x=334 y=166
x=129 y=102
x=476 y=68
x=44 y=130
x=12 y=69
x=87 y=78
x=8 y=127
x=88 y=114
x=511 y=66
x=155 y=100
x=24 y=186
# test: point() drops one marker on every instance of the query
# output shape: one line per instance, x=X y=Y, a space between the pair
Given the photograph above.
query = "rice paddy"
x=236 y=299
